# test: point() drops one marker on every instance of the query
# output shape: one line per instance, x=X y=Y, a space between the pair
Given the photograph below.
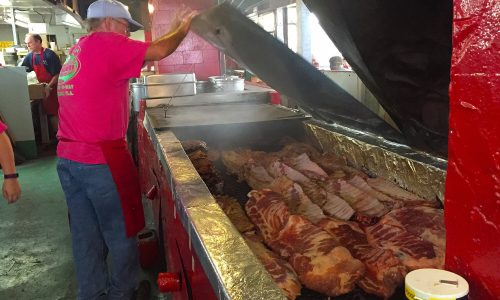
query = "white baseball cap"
x=113 y=9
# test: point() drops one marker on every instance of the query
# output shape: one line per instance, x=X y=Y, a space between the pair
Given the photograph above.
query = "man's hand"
x=167 y=44
x=11 y=190
x=48 y=89
x=182 y=20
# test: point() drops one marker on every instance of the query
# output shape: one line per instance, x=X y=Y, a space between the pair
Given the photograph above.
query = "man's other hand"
x=48 y=89
x=11 y=190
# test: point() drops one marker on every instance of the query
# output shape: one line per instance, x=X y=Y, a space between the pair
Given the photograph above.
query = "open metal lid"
x=237 y=36
x=400 y=50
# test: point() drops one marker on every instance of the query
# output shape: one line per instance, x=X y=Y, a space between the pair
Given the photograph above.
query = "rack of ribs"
x=280 y=270
x=384 y=272
x=268 y=212
x=424 y=222
x=321 y=264
x=413 y=251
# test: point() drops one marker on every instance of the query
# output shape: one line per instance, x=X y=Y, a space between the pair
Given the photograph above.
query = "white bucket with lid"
x=435 y=284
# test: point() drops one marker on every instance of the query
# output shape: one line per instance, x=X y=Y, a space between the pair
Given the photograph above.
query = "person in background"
x=47 y=66
x=96 y=170
x=346 y=65
x=336 y=63
x=11 y=189
x=314 y=62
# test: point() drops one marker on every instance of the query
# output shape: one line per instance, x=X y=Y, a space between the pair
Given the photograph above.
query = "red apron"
x=126 y=178
x=50 y=104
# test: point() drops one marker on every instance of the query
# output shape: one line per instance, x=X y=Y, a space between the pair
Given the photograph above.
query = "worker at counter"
x=337 y=63
x=47 y=66
x=96 y=170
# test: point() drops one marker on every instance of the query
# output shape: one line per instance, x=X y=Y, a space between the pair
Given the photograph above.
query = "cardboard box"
x=36 y=91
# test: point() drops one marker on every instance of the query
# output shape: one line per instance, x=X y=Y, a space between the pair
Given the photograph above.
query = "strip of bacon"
x=256 y=176
x=277 y=169
x=358 y=199
x=294 y=149
x=361 y=184
x=303 y=164
x=392 y=190
x=330 y=162
x=296 y=200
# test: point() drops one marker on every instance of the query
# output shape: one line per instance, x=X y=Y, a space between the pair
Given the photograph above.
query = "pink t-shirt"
x=93 y=94
x=2 y=127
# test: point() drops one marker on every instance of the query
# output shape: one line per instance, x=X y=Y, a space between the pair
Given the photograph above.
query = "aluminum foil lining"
x=231 y=267
x=417 y=172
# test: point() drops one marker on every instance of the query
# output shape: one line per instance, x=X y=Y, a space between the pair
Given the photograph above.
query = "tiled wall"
x=194 y=54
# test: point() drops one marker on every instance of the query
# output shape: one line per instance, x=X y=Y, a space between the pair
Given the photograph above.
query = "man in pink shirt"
x=11 y=189
x=96 y=170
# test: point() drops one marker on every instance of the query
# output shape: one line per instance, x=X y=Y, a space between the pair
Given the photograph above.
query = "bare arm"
x=11 y=189
x=166 y=45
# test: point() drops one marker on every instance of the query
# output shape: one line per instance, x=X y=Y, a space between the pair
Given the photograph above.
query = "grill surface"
x=239 y=190
x=223 y=130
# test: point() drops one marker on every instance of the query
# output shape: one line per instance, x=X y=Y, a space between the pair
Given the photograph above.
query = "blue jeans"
x=98 y=229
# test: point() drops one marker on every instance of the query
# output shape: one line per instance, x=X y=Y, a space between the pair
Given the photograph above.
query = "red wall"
x=472 y=198
x=194 y=54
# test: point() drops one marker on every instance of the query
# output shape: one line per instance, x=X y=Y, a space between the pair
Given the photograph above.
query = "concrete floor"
x=35 y=243
x=35 y=247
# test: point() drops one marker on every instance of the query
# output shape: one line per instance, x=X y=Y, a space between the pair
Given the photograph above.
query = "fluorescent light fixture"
x=40 y=28
x=76 y=25
x=5 y=3
x=19 y=21
x=22 y=17
x=68 y=20
x=21 y=24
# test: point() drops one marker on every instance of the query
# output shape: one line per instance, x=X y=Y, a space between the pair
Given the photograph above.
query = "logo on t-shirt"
x=69 y=70
x=71 y=66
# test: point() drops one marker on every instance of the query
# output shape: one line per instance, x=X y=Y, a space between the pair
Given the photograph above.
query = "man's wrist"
x=11 y=176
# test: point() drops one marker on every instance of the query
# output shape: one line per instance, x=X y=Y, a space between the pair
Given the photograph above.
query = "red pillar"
x=472 y=198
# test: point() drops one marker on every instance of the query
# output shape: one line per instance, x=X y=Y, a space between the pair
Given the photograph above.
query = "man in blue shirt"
x=47 y=66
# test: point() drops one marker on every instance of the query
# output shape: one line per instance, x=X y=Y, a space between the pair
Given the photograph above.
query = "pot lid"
x=233 y=33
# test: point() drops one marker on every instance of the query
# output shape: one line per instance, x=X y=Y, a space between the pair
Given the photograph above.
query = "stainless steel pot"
x=227 y=83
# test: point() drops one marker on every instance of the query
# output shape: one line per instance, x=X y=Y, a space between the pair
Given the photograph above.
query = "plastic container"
x=435 y=284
